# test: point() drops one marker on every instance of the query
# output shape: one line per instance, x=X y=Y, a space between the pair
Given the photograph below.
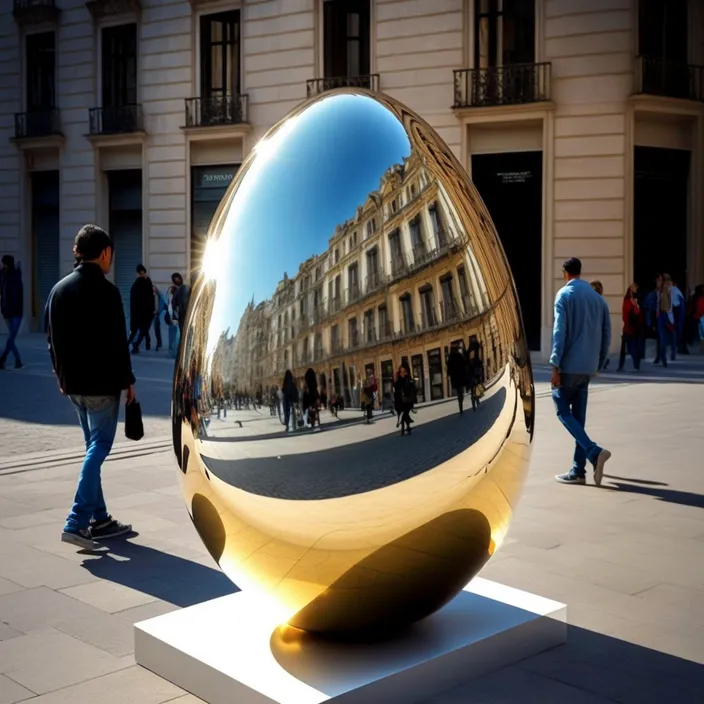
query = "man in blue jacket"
x=580 y=346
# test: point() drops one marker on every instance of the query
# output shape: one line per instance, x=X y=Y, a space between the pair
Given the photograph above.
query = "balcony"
x=318 y=353
x=335 y=305
x=399 y=267
x=450 y=311
x=502 y=85
x=100 y=9
x=216 y=111
x=353 y=341
x=335 y=346
x=30 y=12
x=385 y=331
x=122 y=119
x=36 y=124
x=374 y=281
x=316 y=86
x=352 y=294
x=429 y=318
x=669 y=79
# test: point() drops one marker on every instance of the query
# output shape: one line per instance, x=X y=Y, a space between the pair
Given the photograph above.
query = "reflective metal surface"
x=351 y=241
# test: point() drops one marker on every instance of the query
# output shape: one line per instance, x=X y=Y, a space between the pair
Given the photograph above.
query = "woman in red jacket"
x=632 y=327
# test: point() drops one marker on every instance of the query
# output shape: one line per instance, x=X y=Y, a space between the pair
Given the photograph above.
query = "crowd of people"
x=664 y=314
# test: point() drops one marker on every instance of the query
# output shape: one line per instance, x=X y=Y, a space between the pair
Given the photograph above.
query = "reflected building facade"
x=398 y=282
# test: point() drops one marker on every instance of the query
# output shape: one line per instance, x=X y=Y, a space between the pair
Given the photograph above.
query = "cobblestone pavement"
x=626 y=558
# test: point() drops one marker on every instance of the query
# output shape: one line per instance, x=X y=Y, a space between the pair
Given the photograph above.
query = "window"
x=369 y=332
x=504 y=32
x=436 y=222
x=427 y=300
x=406 y=313
x=119 y=66
x=394 y=205
x=383 y=321
x=220 y=55
x=396 y=250
x=352 y=331
x=371 y=227
x=41 y=71
x=662 y=29
x=346 y=38
x=416 y=235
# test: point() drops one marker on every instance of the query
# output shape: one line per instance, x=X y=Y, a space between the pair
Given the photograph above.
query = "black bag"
x=134 y=427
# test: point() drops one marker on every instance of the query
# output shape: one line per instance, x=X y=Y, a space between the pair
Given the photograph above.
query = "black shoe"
x=80 y=537
x=18 y=364
x=2 y=363
x=135 y=350
x=403 y=430
x=110 y=528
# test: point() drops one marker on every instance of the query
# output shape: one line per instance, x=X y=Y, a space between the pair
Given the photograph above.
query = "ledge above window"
x=109 y=8
x=30 y=12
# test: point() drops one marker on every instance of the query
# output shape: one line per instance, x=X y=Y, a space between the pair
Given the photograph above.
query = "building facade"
x=581 y=123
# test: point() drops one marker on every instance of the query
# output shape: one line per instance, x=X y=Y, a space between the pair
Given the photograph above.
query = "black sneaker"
x=2 y=363
x=18 y=365
x=109 y=528
x=81 y=538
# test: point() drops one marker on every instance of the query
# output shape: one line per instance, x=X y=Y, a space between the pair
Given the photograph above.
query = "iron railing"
x=352 y=294
x=120 y=119
x=37 y=123
x=374 y=281
x=669 y=79
x=315 y=86
x=216 y=110
x=514 y=84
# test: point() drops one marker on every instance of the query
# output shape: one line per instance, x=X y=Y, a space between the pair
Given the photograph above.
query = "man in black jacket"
x=87 y=335
x=142 y=309
x=11 y=306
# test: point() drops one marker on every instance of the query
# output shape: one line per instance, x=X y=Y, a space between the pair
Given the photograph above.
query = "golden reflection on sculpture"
x=350 y=244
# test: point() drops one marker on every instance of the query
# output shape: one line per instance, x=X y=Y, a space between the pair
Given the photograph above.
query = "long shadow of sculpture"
x=360 y=466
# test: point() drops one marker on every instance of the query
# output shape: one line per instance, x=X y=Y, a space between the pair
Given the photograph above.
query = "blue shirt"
x=581 y=334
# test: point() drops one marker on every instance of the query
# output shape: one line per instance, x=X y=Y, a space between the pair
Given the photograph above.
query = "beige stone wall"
x=590 y=46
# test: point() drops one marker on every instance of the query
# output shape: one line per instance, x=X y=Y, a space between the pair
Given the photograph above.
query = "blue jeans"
x=571 y=405
x=174 y=340
x=13 y=327
x=98 y=419
x=666 y=337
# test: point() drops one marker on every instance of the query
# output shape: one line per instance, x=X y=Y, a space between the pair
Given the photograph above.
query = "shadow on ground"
x=166 y=577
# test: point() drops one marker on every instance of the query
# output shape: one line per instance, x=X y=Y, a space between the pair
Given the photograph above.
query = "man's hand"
x=129 y=395
x=555 y=378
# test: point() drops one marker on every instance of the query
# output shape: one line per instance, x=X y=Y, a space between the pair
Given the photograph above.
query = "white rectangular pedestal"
x=220 y=651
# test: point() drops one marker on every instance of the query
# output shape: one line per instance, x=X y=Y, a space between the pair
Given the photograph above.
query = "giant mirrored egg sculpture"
x=351 y=284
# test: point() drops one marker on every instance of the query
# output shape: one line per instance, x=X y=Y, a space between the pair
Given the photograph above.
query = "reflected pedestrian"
x=142 y=310
x=457 y=370
x=405 y=398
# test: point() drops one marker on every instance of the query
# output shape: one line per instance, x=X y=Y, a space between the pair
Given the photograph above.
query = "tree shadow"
x=166 y=577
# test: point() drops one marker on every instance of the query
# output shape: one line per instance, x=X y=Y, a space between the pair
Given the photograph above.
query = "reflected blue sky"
x=289 y=202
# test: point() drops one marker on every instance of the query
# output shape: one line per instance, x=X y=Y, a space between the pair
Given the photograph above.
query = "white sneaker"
x=601 y=460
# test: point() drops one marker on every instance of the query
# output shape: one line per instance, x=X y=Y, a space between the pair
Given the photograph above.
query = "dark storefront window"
x=208 y=186
x=45 y=237
x=387 y=383
x=418 y=376
x=220 y=55
x=435 y=372
x=347 y=38
x=119 y=66
x=41 y=71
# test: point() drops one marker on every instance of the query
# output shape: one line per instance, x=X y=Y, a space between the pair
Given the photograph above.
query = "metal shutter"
x=45 y=223
x=126 y=229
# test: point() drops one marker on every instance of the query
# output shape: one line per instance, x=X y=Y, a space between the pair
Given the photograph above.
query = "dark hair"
x=141 y=269
x=572 y=266
x=9 y=261
x=91 y=241
x=174 y=275
x=311 y=381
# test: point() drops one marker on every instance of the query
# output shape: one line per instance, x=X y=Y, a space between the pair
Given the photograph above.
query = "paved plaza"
x=627 y=558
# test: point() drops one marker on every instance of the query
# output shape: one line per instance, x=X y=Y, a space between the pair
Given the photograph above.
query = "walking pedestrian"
x=632 y=329
x=368 y=395
x=580 y=347
x=87 y=338
x=179 y=302
x=458 y=372
x=11 y=307
x=405 y=397
x=475 y=377
x=142 y=310
x=290 y=399
x=667 y=333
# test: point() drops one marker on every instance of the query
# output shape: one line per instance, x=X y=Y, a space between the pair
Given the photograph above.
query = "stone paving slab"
x=626 y=558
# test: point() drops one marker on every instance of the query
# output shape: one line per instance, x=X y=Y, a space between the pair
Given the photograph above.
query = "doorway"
x=511 y=186
x=45 y=239
x=660 y=206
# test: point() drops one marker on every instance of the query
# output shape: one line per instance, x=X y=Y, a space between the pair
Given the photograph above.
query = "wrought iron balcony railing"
x=502 y=85
x=216 y=110
x=37 y=123
x=28 y=12
x=121 y=119
x=450 y=311
x=318 y=353
x=669 y=79
x=385 y=330
x=315 y=86
x=352 y=294
x=429 y=319
x=353 y=339
x=335 y=346
x=374 y=281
